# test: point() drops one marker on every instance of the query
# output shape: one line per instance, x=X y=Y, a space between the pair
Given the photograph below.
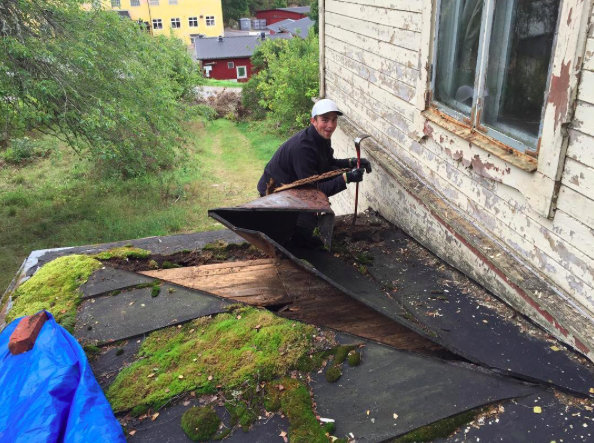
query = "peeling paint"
x=558 y=92
x=427 y=129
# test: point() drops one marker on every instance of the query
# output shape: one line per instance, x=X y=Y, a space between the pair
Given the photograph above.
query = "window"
x=153 y=2
x=157 y=23
x=230 y=65
x=134 y=2
x=193 y=22
x=115 y=3
x=241 y=72
x=492 y=61
x=175 y=23
x=210 y=20
x=173 y=2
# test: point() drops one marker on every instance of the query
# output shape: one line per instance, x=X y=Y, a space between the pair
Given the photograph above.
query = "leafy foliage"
x=286 y=82
x=94 y=80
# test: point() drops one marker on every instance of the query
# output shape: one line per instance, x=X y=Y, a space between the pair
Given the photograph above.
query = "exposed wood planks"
x=268 y=282
x=583 y=119
x=579 y=177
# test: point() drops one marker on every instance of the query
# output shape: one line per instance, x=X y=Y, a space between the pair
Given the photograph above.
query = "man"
x=307 y=153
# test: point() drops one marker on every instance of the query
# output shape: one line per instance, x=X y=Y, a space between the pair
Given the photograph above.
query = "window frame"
x=116 y=3
x=537 y=178
x=175 y=23
x=193 y=20
x=157 y=21
x=134 y=3
x=173 y=2
x=210 y=20
x=230 y=65
x=244 y=68
x=153 y=2
x=475 y=111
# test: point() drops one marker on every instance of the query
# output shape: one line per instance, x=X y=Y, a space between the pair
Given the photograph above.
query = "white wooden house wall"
x=528 y=236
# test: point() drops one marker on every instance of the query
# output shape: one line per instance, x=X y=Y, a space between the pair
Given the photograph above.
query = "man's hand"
x=356 y=175
x=364 y=164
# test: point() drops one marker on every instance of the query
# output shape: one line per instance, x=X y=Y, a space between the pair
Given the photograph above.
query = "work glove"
x=354 y=176
x=364 y=164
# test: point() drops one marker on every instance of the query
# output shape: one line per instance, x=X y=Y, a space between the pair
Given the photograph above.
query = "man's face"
x=325 y=124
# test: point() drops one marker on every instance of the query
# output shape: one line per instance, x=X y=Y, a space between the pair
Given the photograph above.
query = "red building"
x=227 y=58
x=276 y=15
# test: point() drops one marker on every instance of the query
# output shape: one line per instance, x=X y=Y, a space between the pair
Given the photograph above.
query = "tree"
x=287 y=81
x=313 y=15
x=234 y=10
x=97 y=81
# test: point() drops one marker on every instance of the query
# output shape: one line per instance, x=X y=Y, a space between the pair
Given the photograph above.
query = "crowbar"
x=358 y=141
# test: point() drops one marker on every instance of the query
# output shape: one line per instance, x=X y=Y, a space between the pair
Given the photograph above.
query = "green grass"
x=223 y=83
x=59 y=200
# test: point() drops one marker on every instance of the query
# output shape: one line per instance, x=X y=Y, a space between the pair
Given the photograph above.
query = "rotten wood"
x=275 y=283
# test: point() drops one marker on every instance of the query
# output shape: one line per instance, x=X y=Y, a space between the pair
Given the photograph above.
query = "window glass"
x=230 y=65
x=173 y=2
x=210 y=20
x=175 y=23
x=241 y=72
x=134 y=2
x=154 y=2
x=115 y=3
x=457 y=49
x=157 y=23
x=518 y=66
x=500 y=91
x=193 y=22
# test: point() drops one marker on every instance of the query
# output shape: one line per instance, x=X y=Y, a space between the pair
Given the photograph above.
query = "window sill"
x=498 y=149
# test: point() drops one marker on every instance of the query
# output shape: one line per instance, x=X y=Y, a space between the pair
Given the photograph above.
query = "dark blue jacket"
x=305 y=154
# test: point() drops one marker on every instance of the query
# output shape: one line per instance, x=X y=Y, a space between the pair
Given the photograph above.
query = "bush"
x=25 y=149
x=286 y=82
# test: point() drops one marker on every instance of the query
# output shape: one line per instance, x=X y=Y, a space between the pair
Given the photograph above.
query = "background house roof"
x=297 y=9
x=299 y=27
x=214 y=48
x=226 y=47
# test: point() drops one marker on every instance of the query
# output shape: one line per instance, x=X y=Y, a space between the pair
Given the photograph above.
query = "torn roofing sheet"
x=343 y=277
x=275 y=216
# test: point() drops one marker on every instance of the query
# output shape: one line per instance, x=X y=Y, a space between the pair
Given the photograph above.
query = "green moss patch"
x=440 y=429
x=294 y=401
x=333 y=373
x=54 y=287
x=246 y=345
x=200 y=423
x=123 y=252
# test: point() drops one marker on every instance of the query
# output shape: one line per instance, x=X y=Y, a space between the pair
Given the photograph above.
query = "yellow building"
x=186 y=18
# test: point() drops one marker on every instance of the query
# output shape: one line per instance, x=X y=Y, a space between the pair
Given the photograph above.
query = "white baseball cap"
x=323 y=106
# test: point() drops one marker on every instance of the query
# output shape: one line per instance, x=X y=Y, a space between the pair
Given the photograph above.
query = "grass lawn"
x=59 y=201
x=223 y=83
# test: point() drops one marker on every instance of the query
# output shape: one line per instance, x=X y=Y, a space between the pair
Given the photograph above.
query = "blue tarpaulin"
x=49 y=394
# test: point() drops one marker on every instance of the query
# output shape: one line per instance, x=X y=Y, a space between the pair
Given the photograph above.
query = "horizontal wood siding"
x=372 y=62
